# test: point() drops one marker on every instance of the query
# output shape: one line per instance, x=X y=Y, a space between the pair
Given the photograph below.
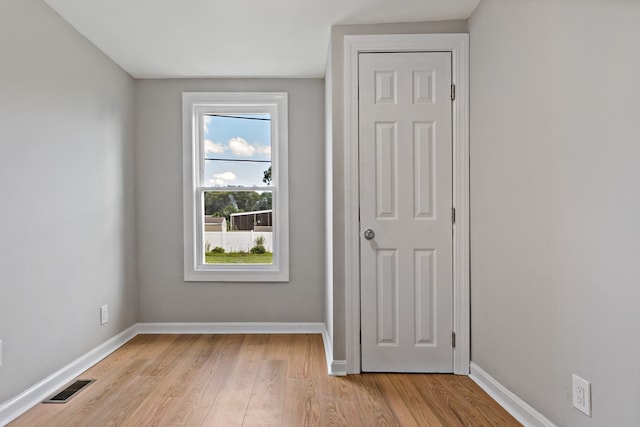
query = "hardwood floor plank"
x=373 y=407
x=224 y=359
x=101 y=399
x=266 y=404
x=305 y=353
x=278 y=347
x=338 y=388
x=405 y=401
x=152 y=347
x=229 y=408
x=256 y=339
x=301 y=403
x=471 y=410
x=166 y=360
x=192 y=407
x=92 y=402
x=336 y=413
x=258 y=380
x=186 y=368
x=432 y=396
x=148 y=413
x=112 y=410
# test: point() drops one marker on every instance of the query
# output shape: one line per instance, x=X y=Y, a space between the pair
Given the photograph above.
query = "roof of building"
x=214 y=219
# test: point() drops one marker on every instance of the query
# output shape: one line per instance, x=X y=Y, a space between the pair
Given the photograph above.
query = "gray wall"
x=555 y=143
x=66 y=189
x=164 y=295
x=336 y=312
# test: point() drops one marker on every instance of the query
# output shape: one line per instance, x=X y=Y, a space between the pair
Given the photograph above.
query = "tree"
x=224 y=203
x=265 y=201
x=219 y=203
x=266 y=178
x=246 y=201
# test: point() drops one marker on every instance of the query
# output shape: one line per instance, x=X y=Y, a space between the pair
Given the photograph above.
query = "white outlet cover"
x=581 y=392
x=104 y=314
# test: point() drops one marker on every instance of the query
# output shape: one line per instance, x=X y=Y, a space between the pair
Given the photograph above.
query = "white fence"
x=237 y=241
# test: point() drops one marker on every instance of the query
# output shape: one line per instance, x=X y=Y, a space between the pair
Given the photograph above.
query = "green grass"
x=239 y=258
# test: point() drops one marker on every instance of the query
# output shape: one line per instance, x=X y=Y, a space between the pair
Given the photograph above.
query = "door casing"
x=458 y=45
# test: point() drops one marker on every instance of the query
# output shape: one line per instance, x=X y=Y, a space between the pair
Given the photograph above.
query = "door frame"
x=458 y=45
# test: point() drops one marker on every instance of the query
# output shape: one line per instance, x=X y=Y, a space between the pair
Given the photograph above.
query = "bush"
x=217 y=250
x=259 y=247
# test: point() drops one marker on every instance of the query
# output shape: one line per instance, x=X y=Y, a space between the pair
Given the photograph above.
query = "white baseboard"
x=338 y=368
x=517 y=407
x=231 y=328
x=328 y=349
x=248 y=328
x=13 y=408
x=334 y=367
x=18 y=405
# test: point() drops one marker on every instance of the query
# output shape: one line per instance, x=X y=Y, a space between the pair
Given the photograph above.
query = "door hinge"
x=453 y=215
x=453 y=92
x=453 y=339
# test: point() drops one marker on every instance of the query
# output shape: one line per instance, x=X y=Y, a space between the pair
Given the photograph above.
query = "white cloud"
x=222 y=179
x=240 y=147
x=213 y=147
x=206 y=122
x=263 y=150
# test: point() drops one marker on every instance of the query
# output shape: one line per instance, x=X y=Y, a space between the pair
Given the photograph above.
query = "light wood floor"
x=258 y=380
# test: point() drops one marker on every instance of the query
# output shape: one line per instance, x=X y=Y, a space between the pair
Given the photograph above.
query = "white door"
x=406 y=243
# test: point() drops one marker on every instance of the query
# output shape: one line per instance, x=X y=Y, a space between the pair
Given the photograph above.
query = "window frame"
x=194 y=106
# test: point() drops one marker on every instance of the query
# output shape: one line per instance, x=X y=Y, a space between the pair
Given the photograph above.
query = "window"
x=235 y=187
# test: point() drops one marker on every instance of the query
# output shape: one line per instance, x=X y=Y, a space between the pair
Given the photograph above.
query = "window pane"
x=229 y=173
x=238 y=227
x=237 y=150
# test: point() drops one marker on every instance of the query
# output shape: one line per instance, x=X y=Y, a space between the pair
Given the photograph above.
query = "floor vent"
x=68 y=392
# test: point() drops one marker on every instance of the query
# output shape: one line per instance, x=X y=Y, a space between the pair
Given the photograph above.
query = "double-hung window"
x=235 y=186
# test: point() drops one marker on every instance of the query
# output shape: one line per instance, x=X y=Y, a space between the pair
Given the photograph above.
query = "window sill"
x=248 y=273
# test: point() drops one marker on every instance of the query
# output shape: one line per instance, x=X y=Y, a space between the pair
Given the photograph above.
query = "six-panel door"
x=405 y=149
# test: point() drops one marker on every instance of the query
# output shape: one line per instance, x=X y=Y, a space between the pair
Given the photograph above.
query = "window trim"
x=194 y=106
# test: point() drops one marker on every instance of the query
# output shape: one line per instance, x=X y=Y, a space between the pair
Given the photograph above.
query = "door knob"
x=369 y=234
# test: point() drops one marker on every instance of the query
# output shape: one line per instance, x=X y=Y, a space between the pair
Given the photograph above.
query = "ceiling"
x=234 y=38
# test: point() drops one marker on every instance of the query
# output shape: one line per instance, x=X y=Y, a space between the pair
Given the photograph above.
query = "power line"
x=238 y=117
x=239 y=160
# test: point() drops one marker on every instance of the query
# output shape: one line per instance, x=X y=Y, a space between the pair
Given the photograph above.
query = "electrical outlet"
x=581 y=394
x=104 y=314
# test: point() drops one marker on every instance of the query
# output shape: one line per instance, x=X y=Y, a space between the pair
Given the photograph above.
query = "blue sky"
x=228 y=138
